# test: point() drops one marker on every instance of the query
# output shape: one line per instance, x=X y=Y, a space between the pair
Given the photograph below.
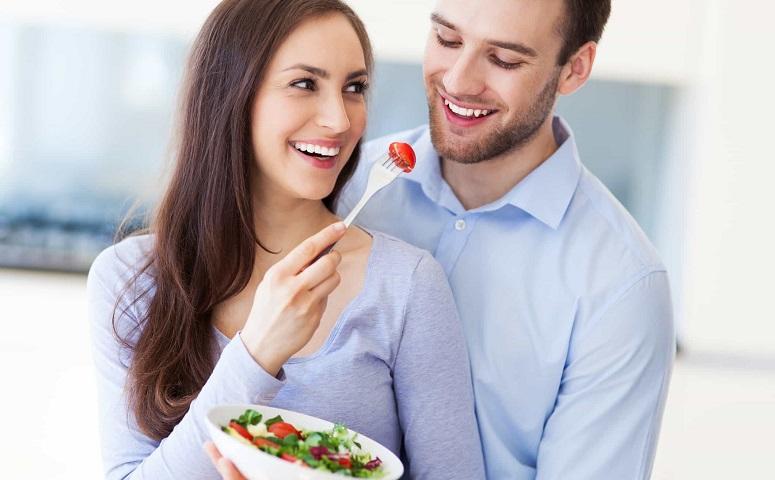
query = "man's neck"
x=478 y=184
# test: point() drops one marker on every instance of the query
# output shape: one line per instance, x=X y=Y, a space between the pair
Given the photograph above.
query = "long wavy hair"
x=204 y=237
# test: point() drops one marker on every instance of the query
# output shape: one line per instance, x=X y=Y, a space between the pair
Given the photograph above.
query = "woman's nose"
x=333 y=114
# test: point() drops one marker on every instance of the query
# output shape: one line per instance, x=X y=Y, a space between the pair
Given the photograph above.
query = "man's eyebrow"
x=319 y=72
x=516 y=47
x=436 y=18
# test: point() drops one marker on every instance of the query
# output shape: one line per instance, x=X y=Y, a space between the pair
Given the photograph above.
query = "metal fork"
x=384 y=171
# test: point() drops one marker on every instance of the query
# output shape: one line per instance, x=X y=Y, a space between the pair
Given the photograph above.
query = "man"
x=564 y=302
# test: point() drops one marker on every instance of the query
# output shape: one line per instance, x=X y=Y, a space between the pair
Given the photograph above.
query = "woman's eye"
x=304 y=84
x=358 y=87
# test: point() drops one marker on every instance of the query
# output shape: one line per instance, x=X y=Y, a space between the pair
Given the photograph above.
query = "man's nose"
x=464 y=78
x=333 y=114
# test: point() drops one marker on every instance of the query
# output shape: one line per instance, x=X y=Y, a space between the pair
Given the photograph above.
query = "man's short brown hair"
x=583 y=21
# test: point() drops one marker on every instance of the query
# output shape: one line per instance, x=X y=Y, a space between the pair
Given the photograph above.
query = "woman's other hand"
x=291 y=300
x=225 y=468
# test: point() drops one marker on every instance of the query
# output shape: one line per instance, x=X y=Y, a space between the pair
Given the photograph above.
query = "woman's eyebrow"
x=358 y=73
x=319 y=72
x=309 y=68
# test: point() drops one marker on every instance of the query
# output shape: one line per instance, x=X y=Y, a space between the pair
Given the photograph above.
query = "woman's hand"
x=291 y=299
x=225 y=468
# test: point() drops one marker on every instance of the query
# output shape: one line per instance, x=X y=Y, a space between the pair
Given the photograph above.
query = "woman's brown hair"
x=204 y=237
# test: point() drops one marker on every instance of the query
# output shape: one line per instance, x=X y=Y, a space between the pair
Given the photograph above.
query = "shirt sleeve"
x=126 y=451
x=432 y=382
x=606 y=419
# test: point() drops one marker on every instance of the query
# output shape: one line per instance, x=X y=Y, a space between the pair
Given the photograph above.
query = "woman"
x=224 y=302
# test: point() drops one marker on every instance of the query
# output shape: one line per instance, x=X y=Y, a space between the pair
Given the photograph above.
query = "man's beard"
x=499 y=139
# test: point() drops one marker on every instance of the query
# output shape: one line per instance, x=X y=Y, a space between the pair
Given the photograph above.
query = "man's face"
x=491 y=74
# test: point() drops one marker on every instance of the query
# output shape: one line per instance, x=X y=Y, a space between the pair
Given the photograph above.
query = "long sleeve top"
x=394 y=368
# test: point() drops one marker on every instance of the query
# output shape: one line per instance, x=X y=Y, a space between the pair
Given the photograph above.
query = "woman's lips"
x=324 y=163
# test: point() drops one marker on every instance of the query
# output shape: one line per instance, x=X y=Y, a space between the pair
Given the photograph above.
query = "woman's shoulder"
x=123 y=260
x=397 y=258
x=116 y=287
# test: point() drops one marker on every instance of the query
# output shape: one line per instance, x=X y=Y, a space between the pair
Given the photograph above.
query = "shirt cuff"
x=238 y=368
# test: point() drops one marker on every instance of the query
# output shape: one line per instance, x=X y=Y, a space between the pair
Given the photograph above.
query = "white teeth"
x=465 y=112
x=312 y=148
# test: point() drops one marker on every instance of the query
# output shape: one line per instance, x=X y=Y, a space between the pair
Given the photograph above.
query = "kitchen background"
x=674 y=121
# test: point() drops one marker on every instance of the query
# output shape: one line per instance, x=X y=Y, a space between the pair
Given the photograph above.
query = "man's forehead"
x=525 y=21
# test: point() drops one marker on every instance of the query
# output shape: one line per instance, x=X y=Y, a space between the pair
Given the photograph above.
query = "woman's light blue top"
x=393 y=368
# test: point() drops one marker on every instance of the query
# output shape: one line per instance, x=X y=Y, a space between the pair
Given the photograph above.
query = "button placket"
x=453 y=240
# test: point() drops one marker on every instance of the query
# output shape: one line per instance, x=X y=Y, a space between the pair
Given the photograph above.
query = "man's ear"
x=575 y=73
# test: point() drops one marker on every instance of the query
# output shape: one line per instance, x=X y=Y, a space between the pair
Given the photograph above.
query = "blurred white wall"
x=730 y=233
x=644 y=41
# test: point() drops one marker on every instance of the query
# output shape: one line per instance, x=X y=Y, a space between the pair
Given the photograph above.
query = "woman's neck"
x=283 y=223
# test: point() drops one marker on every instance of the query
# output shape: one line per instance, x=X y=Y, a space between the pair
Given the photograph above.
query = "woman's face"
x=310 y=109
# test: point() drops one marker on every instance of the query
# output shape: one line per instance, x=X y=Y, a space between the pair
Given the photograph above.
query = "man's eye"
x=446 y=43
x=304 y=84
x=357 y=87
x=506 y=65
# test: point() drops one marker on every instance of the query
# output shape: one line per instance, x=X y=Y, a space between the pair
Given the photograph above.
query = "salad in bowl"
x=267 y=443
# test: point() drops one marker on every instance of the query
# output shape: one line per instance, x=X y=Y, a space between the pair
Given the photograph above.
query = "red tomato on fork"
x=283 y=429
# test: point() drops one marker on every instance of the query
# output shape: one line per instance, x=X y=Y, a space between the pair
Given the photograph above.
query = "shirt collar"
x=544 y=194
x=427 y=169
x=547 y=191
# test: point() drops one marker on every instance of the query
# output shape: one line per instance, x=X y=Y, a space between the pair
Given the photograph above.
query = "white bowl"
x=258 y=465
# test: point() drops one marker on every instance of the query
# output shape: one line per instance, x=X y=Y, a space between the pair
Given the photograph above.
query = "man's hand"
x=227 y=469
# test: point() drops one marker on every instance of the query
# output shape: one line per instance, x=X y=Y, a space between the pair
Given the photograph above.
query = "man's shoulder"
x=604 y=249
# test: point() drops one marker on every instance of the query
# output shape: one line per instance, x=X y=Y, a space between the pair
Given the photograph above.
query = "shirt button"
x=460 y=225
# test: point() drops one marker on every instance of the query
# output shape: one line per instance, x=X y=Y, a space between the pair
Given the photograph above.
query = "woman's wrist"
x=264 y=355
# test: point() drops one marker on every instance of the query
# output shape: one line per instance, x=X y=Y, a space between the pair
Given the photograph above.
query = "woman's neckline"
x=369 y=278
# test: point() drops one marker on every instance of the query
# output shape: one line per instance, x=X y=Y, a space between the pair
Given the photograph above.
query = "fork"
x=400 y=158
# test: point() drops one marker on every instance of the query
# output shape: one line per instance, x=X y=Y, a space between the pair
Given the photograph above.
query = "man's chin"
x=459 y=147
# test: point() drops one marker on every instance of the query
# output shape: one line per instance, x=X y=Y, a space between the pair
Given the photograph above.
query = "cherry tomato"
x=241 y=430
x=282 y=429
x=346 y=462
x=403 y=155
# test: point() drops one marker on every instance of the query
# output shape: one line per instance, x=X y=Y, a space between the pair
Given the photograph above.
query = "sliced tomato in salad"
x=282 y=429
x=263 y=442
x=241 y=430
x=288 y=457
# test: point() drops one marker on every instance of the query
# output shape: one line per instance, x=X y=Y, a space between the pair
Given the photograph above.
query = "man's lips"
x=466 y=109
x=451 y=112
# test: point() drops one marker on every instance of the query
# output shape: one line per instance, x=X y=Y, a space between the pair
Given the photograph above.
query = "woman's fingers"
x=306 y=251
x=322 y=290
x=225 y=468
x=319 y=271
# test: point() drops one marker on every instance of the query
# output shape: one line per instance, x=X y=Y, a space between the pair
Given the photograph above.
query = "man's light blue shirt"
x=564 y=303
